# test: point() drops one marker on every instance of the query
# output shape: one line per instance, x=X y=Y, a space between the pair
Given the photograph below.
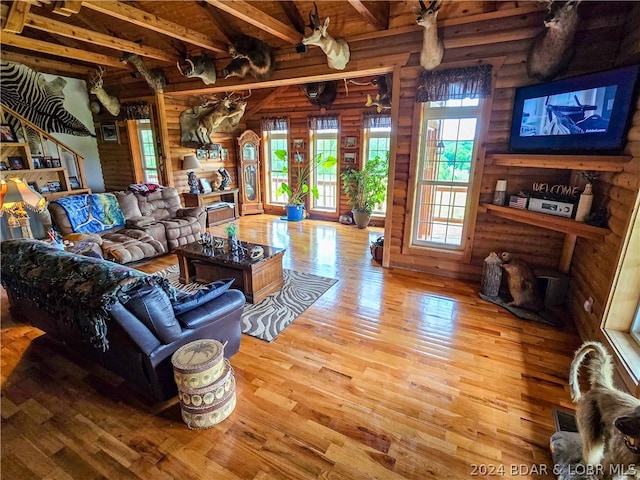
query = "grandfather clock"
x=249 y=173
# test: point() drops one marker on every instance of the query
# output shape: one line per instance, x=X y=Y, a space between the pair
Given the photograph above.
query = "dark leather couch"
x=113 y=315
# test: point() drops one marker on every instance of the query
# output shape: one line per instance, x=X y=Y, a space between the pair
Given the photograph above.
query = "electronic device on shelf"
x=585 y=114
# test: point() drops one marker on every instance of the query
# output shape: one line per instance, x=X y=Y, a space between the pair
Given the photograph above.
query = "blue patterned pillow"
x=189 y=301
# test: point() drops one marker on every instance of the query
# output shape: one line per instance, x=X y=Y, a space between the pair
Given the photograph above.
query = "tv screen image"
x=586 y=114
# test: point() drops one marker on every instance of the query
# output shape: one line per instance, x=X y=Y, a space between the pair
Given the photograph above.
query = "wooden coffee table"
x=257 y=278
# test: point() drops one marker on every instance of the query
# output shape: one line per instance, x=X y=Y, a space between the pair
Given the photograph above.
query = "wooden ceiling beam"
x=223 y=29
x=256 y=17
x=127 y=13
x=293 y=14
x=16 y=17
x=268 y=100
x=67 y=8
x=82 y=34
x=31 y=44
x=374 y=13
x=46 y=65
x=295 y=76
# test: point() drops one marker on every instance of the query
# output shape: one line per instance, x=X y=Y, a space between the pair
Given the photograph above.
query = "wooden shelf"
x=543 y=220
x=600 y=163
x=65 y=193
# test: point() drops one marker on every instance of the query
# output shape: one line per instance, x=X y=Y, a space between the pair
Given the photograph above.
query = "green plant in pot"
x=365 y=188
x=299 y=187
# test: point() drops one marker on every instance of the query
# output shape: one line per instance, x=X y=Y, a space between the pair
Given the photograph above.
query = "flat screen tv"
x=587 y=114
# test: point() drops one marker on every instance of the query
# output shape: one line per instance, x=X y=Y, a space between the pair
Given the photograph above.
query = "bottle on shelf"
x=584 y=203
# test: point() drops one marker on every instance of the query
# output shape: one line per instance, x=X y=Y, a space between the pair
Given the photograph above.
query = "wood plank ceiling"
x=73 y=37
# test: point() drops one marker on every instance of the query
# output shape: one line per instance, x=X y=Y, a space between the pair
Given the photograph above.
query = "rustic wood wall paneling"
x=115 y=158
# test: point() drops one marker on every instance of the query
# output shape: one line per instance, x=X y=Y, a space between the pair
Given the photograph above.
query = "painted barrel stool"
x=206 y=385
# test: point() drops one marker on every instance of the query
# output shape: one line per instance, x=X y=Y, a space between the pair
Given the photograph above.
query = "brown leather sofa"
x=149 y=225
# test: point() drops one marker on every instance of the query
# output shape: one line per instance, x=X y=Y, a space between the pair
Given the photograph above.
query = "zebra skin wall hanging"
x=39 y=101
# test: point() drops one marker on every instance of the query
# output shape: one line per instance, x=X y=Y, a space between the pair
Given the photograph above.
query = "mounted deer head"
x=552 y=49
x=112 y=104
x=201 y=67
x=432 y=45
x=336 y=50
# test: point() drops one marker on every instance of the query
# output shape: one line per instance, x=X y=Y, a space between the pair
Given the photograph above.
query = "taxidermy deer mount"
x=336 y=50
x=201 y=67
x=210 y=116
x=383 y=98
x=250 y=56
x=432 y=45
x=155 y=78
x=112 y=104
x=552 y=49
x=321 y=94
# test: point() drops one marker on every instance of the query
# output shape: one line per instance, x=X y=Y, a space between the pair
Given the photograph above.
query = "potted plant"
x=365 y=188
x=299 y=187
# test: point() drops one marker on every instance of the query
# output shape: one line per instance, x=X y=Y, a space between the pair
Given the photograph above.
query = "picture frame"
x=55 y=162
x=44 y=189
x=37 y=162
x=110 y=133
x=7 y=133
x=224 y=154
x=350 y=142
x=349 y=157
x=202 y=154
x=214 y=154
x=298 y=157
x=298 y=143
x=16 y=163
x=47 y=162
x=205 y=186
x=4 y=165
x=54 y=187
x=33 y=186
x=74 y=183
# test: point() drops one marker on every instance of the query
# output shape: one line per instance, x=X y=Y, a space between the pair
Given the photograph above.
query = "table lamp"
x=191 y=162
x=15 y=197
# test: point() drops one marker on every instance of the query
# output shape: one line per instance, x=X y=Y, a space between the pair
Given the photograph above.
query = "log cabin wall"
x=607 y=38
x=115 y=157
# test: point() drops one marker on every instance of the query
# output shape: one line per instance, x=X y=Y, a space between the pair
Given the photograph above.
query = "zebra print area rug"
x=268 y=318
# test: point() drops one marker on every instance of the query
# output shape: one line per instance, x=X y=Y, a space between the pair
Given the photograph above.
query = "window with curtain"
x=377 y=139
x=451 y=108
x=148 y=157
x=276 y=154
x=323 y=132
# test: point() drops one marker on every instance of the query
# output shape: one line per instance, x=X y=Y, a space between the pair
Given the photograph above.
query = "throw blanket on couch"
x=92 y=213
x=73 y=288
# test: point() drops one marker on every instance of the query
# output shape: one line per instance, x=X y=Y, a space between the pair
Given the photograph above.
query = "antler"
x=314 y=19
x=96 y=77
x=423 y=7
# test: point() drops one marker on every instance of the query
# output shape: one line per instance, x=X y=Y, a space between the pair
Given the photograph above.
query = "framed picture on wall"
x=350 y=142
x=224 y=154
x=7 y=134
x=298 y=143
x=109 y=133
x=214 y=154
x=349 y=157
x=202 y=154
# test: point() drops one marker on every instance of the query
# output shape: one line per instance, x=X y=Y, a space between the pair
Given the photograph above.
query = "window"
x=377 y=138
x=448 y=142
x=276 y=154
x=149 y=160
x=635 y=326
x=324 y=144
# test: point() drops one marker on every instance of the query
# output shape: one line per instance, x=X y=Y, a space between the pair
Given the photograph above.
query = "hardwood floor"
x=389 y=375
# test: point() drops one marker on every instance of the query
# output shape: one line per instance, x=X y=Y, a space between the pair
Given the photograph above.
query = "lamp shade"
x=190 y=162
x=16 y=191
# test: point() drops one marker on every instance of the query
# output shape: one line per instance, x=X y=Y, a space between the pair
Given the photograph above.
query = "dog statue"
x=608 y=424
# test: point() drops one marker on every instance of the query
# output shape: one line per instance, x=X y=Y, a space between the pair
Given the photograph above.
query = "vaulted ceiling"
x=71 y=38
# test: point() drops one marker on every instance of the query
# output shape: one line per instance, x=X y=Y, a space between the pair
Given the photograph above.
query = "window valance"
x=455 y=84
x=269 y=124
x=372 y=120
x=135 y=111
x=324 y=122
